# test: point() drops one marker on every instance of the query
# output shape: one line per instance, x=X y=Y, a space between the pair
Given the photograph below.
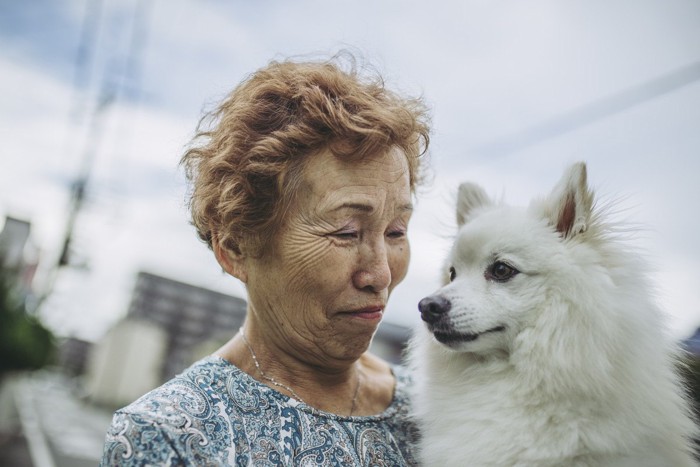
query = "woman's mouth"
x=368 y=313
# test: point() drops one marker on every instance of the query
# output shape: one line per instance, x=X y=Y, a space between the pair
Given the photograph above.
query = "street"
x=54 y=428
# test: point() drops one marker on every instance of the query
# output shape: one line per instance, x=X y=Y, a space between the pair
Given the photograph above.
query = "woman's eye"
x=346 y=235
x=453 y=274
x=397 y=234
x=501 y=272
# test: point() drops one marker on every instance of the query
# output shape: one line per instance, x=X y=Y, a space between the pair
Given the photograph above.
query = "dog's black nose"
x=432 y=308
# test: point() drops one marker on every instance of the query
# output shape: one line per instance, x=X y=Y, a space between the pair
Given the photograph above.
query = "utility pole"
x=79 y=187
x=110 y=91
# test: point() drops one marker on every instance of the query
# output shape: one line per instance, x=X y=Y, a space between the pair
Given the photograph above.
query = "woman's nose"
x=374 y=271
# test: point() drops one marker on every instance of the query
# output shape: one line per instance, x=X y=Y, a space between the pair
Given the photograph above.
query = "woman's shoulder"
x=189 y=392
x=404 y=382
x=164 y=421
x=402 y=373
x=215 y=412
x=381 y=370
x=390 y=383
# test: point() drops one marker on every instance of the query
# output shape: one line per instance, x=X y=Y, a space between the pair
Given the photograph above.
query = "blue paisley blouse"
x=215 y=414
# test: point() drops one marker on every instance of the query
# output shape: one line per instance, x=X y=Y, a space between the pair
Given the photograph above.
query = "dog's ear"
x=469 y=198
x=570 y=204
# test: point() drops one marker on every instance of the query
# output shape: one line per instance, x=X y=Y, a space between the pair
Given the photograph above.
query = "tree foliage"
x=25 y=343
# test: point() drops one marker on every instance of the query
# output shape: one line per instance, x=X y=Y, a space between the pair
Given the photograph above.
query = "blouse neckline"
x=300 y=405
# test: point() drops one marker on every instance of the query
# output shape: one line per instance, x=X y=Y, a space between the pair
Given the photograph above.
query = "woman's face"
x=322 y=287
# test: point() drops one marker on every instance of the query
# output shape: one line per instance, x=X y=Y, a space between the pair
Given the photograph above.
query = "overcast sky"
x=518 y=90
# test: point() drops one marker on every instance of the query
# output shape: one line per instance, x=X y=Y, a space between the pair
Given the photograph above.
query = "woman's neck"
x=342 y=387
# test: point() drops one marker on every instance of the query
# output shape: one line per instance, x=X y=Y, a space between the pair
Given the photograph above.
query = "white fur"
x=582 y=375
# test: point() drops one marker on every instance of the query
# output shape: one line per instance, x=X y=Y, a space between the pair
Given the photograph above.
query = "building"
x=13 y=240
x=18 y=255
x=73 y=354
x=195 y=319
x=126 y=363
x=169 y=325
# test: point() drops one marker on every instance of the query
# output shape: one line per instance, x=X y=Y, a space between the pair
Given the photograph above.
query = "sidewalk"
x=59 y=429
x=14 y=451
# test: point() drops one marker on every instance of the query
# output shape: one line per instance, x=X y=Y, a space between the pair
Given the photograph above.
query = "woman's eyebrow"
x=363 y=207
x=366 y=207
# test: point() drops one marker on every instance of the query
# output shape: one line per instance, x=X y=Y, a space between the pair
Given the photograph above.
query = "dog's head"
x=508 y=264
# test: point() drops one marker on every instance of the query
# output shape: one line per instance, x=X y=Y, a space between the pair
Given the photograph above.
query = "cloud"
x=488 y=70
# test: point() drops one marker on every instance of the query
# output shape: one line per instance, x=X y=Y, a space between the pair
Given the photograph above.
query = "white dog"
x=545 y=347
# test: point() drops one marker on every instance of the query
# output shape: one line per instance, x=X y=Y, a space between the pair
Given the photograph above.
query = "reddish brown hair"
x=246 y=158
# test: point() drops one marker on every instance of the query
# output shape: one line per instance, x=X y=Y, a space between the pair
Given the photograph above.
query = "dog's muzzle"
x=434 y=308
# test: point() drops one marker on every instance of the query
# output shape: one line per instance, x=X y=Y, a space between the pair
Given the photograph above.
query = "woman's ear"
x=231 y=262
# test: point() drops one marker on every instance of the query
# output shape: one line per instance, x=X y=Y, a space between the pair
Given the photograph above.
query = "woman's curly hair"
x=245 y=161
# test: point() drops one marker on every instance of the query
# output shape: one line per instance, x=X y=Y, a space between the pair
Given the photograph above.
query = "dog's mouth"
x=446 y=337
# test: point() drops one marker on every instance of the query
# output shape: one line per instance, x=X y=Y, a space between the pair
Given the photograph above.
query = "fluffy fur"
x=544 y=347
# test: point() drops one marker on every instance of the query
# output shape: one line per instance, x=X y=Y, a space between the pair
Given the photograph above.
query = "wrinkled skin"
x=317 y=295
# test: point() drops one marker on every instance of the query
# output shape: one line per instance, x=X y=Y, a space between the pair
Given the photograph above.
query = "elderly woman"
x=302 y=184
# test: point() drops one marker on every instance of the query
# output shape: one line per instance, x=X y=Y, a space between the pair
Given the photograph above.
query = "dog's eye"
x=453 y=273
x=501 y=272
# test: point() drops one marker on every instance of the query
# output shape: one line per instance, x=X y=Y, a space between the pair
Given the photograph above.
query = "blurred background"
x=99 y=98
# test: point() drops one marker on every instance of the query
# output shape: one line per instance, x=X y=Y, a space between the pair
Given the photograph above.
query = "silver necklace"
x=290 y=390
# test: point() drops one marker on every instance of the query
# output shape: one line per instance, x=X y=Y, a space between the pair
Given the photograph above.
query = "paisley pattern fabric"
x=214 y=414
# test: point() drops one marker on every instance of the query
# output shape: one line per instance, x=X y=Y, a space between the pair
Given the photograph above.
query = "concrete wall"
x=126 y=363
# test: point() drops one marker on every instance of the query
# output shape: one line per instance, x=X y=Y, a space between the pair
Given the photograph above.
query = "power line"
x=82 y=73
x=83 y=61
x=139 y=36
x=595 y=111
x=89 y=37
x=107 y=95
